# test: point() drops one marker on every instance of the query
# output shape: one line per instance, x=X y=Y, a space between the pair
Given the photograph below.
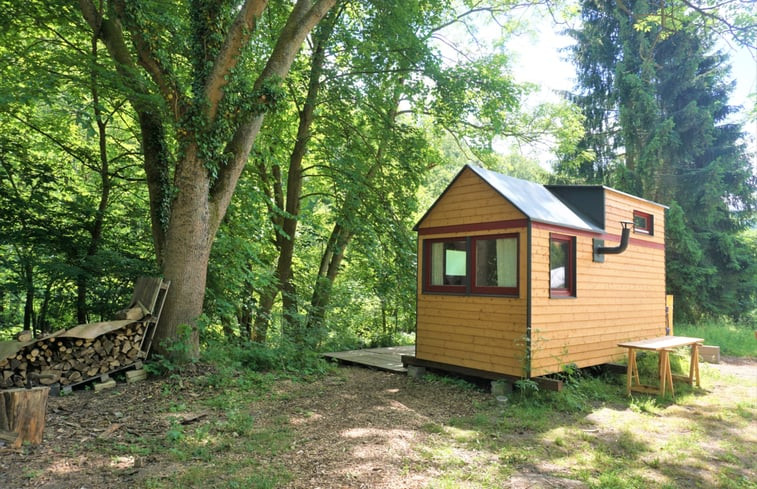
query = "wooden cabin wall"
x=480 y=332
x=619 y=300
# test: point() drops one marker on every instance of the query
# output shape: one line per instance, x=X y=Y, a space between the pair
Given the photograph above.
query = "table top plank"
x=661 y=343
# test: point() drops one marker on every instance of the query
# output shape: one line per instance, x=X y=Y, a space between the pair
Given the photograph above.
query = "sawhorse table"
x=662 y=345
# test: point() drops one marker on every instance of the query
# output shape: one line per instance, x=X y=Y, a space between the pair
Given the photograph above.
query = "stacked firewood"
x=65 y=360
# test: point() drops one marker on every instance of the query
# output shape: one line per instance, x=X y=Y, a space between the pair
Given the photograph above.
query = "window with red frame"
x=643 y=222
x=562 y=265
x=476 y=265
x=495 y=263
x=446 y=265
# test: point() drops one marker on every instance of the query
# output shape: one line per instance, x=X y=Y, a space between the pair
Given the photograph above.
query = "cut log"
x=134 y=313
x=24 y=336
x=22 y=411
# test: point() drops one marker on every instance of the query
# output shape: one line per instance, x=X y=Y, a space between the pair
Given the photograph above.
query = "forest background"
x=271 y=160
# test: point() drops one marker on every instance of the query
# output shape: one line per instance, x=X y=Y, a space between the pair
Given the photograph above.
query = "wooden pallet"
x=57 y=389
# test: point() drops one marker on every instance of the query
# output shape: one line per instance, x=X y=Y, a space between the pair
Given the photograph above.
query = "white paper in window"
x=455 y=263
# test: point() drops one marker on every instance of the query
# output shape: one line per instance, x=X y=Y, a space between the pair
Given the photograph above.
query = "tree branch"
x=75 y=153
x=236 y=39
x=161 y=75
x=304 y=16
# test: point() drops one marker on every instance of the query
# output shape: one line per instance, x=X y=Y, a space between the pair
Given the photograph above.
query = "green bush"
x=285 y=356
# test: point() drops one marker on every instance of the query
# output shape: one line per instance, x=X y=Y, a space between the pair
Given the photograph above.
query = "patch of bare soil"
x=359 y=430
x=355 y=428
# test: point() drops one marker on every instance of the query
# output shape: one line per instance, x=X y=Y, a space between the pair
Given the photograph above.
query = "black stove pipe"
x=624 y=238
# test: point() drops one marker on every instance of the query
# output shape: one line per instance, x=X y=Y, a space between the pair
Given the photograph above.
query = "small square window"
x=643 y=222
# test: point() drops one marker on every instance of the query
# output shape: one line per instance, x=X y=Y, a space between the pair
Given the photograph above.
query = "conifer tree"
x=657 y=121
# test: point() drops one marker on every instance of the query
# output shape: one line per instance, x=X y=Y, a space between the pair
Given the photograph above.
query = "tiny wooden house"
x=520 y=279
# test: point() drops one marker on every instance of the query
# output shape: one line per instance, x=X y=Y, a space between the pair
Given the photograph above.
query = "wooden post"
x=669 y=299
x=694 y=364
x=22 y=411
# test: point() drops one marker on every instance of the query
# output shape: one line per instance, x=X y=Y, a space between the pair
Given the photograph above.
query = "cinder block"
x=710 y=354
x=416 y=372
x=501 y=388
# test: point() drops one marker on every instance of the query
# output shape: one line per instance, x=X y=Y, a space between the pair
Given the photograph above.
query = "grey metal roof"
x=535 y=201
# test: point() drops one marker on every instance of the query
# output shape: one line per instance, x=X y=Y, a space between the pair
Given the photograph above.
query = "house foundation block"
x=501 y=388
x=416 y=372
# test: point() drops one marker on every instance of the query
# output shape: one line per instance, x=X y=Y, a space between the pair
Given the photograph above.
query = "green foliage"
x=177 y=351
x=655 y=101
x=736 y=339
x=581 y=388
x=282 y=356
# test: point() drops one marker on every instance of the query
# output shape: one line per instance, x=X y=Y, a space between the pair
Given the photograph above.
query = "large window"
x=477 y=265
x=562 y=266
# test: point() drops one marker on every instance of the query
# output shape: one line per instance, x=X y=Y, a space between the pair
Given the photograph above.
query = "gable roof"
x=535 y=201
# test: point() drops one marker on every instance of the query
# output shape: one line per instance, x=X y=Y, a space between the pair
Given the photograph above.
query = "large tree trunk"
x=331 y=260
x=198 y=208
x=185 y=260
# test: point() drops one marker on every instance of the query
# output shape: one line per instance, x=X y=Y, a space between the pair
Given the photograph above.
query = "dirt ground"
x=355 y=428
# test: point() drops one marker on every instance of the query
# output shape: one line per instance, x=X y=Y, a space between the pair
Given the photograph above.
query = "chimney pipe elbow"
x=624 y=239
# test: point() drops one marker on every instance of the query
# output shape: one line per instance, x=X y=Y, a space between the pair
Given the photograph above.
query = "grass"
x=590 y=432
x=227 y=450
x=733 y=339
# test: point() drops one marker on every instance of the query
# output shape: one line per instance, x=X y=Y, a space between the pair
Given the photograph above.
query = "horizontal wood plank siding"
x=620 y=207
x=619 y=300
x=470 y=200
x=480 y=332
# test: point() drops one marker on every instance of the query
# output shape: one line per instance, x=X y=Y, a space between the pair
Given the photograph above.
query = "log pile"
x=69 y=361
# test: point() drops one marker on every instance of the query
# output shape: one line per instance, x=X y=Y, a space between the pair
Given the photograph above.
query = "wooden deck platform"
x=389 y=358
